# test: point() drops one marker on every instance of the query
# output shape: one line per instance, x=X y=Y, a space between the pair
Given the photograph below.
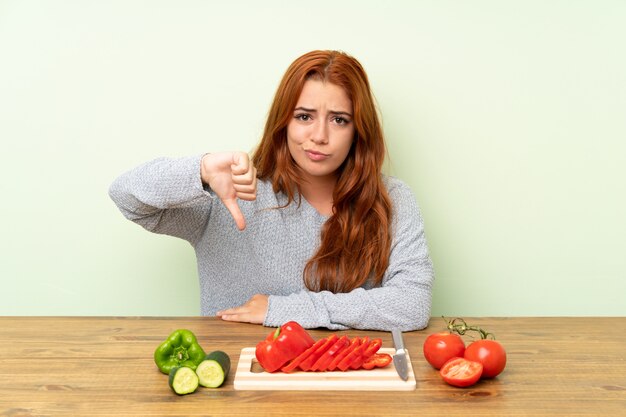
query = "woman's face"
x=321 y=130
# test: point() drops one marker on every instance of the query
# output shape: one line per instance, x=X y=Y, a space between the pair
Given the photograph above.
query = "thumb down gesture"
x=231 y=176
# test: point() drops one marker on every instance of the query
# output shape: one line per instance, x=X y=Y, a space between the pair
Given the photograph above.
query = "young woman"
x=308 y=229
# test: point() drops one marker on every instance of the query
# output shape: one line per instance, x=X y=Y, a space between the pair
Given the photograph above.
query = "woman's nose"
x=319 y=133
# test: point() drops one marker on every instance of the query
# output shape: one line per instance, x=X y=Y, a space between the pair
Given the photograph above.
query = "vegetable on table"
x=377 y=360
x=463 y=366
x=307 y=363
x=328 y=354
x=325 y=359
x=213 y=370
x=360 y=357
x=183 y=380
x=283 y=345
x=355 y=355
x=295 y=363
x=439 y=348
x=181 y=348
x=461 y=372
x=490 y=354
x=340 y=356
x=487 y=350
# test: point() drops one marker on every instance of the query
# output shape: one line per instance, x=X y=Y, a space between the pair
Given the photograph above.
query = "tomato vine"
x=459 y=326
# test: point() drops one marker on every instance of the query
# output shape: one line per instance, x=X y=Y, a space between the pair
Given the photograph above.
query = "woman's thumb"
x=235 y=211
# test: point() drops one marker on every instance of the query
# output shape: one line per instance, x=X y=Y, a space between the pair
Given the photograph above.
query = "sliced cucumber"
x=183 y=380
x=213 y=370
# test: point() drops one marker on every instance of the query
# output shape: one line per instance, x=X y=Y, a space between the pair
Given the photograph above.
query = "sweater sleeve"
x=402 y=301
x=165 y=196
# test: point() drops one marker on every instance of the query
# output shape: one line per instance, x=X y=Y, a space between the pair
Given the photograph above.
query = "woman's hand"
x=230 y=175
x=254 y=311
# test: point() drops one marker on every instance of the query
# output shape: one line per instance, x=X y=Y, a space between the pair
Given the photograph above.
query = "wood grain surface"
x=103 y=366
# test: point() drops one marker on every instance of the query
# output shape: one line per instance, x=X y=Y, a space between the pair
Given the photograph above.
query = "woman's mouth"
x=315 y=155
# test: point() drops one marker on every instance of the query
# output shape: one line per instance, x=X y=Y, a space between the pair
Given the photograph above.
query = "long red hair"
x=356 y=239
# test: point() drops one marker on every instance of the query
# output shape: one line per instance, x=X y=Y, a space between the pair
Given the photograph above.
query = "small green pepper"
x=181 y=348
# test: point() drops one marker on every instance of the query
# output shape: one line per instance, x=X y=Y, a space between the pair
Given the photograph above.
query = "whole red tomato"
x=490 y=354
x=439 y=348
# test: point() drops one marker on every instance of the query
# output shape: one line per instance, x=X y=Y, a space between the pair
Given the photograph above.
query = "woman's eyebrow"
x=345 y=113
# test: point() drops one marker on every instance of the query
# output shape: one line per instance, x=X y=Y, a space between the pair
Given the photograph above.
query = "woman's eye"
x=341 y=120
x=303 y=117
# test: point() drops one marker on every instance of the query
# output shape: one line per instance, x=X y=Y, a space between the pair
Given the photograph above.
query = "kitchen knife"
x=399 y=359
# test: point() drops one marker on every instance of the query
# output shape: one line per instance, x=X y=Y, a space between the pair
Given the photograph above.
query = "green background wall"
x=507 y=119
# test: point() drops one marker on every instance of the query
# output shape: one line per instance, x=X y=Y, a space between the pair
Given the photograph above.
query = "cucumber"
x=183 y=380
x=213 y=370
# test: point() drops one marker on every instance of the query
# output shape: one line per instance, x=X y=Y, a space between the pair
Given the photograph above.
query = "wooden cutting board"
x=250 y=376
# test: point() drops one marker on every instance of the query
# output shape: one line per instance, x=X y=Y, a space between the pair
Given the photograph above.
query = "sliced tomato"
x=322 y=363
x=377 y=360
x=461 y=372
x=345 y=352
x=306 y=364
x=291 y=366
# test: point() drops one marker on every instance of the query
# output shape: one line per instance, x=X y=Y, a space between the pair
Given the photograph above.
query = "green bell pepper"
x=181 y=348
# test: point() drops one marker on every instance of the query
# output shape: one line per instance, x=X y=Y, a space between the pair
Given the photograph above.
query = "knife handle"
x=397 y=339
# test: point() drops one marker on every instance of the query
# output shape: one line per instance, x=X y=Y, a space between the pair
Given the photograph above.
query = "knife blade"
x=399 y=359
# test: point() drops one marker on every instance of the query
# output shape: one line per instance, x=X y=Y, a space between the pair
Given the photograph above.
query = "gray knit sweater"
x=167 y=196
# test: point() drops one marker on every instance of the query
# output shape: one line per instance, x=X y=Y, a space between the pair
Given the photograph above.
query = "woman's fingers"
x=244 y=177
x=243 y=182
x=240 y=163
x=247 y=178
x=246 y=191
x=253 y=311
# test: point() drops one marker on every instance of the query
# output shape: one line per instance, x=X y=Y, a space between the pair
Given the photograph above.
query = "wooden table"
x=103 y=366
